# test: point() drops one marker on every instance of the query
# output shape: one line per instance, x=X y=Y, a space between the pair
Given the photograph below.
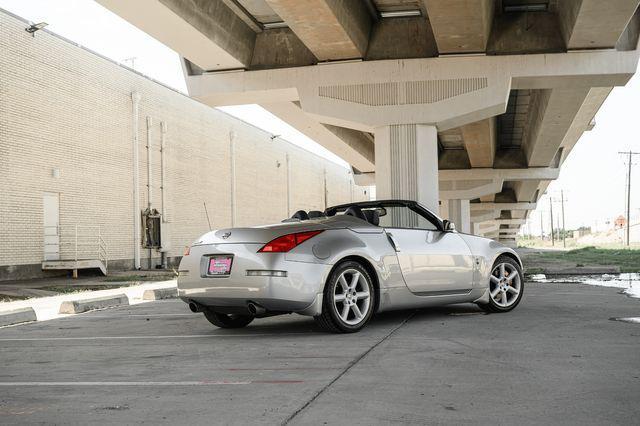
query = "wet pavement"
x=557 y=358
x=629 y=282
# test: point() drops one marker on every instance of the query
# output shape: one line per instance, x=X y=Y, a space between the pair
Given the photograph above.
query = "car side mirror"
x=449 y=226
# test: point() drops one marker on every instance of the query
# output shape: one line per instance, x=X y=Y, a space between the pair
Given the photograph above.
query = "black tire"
x=493 y=306
x=228 y=320
x=330 y=320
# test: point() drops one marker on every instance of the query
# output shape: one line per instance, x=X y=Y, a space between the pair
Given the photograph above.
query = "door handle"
x=393 y=241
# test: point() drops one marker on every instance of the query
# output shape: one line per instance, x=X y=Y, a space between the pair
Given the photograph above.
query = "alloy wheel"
x=351 y=297
x=505 y=285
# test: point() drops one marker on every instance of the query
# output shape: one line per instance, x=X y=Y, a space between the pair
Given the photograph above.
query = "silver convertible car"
x=345 y=264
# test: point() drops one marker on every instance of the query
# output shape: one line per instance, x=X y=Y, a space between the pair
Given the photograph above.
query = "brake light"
x=286 y=242
x=187 y=250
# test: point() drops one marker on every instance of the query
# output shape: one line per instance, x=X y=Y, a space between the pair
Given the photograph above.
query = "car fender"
x=332 y=246
x=485 y=252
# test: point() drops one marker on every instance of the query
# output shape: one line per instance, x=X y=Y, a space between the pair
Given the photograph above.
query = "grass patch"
x=6 y=298
x=533 y=271
x=627 y=259
x=80 y=288
x=125 y=278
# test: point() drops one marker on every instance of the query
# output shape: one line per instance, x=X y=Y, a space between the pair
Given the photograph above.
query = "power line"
x=630 y=163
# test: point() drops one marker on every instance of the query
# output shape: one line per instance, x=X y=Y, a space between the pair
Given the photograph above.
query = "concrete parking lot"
x=558 y=358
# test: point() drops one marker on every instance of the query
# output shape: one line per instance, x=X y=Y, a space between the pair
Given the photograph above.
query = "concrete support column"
x=460 y=214
x=475 y=228
x=444 y=209
x=407 y=163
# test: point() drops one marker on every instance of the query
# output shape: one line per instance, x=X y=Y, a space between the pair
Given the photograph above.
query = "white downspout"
x=149 y=175
x=163 y=179
x=163 y=175
x=135 y=99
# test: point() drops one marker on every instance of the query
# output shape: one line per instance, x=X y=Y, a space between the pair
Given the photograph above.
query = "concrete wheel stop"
x=160 y=293
x=17 y=316
x=79 y=306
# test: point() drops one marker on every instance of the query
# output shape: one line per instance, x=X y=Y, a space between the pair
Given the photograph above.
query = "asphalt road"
x=558 y=358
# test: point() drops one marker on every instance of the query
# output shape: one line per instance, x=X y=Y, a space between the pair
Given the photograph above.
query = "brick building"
x=69 y=120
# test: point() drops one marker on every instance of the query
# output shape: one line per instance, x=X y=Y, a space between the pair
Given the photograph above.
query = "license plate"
x=220 y=265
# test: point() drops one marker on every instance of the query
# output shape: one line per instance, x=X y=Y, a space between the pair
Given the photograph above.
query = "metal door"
x=51 y=212
x=433 y=262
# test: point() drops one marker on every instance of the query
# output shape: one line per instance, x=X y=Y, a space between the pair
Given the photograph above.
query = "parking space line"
x=120 y=315
x=180 y=336
x=183 y=383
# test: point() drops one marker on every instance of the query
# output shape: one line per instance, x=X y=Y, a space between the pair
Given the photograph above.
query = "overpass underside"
x=469 y=106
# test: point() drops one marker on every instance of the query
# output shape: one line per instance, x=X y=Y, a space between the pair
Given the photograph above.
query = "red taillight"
x=187 y=250
x=287 y=242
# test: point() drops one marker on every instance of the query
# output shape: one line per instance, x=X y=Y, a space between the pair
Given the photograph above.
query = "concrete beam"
x=534 y=173
x=209 y=34
x=468 y=189
x=594 y=24
x=446 y=92
x=510 y=222
x=502 y=206
x=551 y=114
x=488 y=179
x=526 y=190
x=460 y=26
x=488 y=226
x=493 y=235
x=582 y=122
x=484 y=215
x=519 y=214
x=350 y=145
x=280 y=48
x=364 y=179
x=480 y=141
x=331 y=29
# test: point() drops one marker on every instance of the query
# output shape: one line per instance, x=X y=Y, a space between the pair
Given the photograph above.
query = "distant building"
x=582 y=231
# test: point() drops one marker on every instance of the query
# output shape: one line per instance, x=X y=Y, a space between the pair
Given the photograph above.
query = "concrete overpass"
x=470 y=106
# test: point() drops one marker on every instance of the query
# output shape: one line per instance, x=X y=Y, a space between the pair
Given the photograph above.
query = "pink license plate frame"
x=220 y=265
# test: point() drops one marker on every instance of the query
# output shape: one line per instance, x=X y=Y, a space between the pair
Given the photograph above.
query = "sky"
x=593 y=178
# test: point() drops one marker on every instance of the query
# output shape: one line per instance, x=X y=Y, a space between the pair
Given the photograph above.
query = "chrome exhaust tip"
x=255 y=309
x=194 y=307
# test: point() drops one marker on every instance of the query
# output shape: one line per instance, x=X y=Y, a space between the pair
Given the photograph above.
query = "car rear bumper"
x=295 y=292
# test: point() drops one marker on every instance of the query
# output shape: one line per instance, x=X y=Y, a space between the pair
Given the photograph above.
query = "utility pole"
x=629 y=163
x=541 y=226
x=551 y=215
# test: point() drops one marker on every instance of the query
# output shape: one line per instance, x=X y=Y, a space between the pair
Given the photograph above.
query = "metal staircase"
x=75 y=247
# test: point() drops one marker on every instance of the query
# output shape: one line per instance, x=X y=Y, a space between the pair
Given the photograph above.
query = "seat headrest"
x=315 y=214
x=301 y=215
x=355 y=211
x=372 y=217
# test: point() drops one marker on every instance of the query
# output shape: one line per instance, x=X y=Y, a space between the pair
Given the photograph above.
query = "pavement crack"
x=350 y=365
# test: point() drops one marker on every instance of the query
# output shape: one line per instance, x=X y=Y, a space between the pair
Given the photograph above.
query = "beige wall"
x=63 y=107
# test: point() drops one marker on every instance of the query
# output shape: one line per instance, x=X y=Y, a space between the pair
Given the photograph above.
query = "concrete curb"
x=79 y=306
x=160 y=293
x=17 y=316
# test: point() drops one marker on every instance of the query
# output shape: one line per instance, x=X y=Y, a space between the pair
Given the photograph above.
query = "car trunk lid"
x=258 y=234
